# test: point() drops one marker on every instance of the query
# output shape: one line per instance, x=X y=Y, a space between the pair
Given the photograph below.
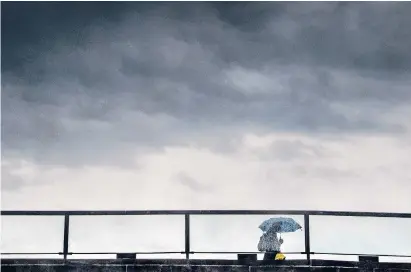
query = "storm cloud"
x=280 y=93
x=124 y=75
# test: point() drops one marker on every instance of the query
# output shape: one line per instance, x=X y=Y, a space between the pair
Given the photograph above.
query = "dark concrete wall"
x=114 y=265
x=186 y=268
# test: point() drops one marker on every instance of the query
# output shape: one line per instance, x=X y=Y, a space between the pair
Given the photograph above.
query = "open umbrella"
x=280 y=225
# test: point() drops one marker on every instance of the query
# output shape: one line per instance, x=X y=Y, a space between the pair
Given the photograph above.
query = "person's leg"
x=270 y=255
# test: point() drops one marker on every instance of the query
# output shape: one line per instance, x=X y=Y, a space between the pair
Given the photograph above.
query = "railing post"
x=307 y=237
x=66 y=235
x=187 y=236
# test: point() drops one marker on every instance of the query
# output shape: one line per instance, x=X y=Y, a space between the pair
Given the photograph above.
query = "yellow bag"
x=280 y=257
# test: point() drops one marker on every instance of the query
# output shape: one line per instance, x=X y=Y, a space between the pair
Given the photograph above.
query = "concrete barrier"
x=19 y=265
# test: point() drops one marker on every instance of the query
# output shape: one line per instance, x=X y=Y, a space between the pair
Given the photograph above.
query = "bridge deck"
x=173 y=265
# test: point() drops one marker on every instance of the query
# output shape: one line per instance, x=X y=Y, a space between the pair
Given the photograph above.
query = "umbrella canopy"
x=280 y=224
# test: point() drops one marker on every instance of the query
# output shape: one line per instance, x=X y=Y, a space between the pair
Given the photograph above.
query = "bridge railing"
x=187 y=215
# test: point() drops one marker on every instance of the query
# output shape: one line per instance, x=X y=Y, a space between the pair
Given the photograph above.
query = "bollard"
x=367 y=263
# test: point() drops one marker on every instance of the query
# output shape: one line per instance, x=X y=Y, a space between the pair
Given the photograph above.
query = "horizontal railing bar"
x=31 y=253
x=239 y=252
x=207 y=212
x=113 y=253
x=203 y=252
x=159 y=252
x=361 y=254
x=360 y=214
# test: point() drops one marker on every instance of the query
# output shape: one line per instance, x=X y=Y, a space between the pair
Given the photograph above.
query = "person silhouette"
x=270 y=244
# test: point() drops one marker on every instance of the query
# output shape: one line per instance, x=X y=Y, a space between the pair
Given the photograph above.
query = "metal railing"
x=188 y=213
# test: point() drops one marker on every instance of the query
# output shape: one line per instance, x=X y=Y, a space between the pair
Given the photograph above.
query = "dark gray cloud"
x=96 y=82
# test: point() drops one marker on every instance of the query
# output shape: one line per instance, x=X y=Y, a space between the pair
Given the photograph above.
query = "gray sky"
x=269 y=105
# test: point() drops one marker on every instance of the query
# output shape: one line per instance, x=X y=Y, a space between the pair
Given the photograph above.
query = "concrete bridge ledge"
x=113 y=265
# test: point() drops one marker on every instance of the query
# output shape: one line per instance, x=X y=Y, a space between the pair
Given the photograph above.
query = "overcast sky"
x=268 y=105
